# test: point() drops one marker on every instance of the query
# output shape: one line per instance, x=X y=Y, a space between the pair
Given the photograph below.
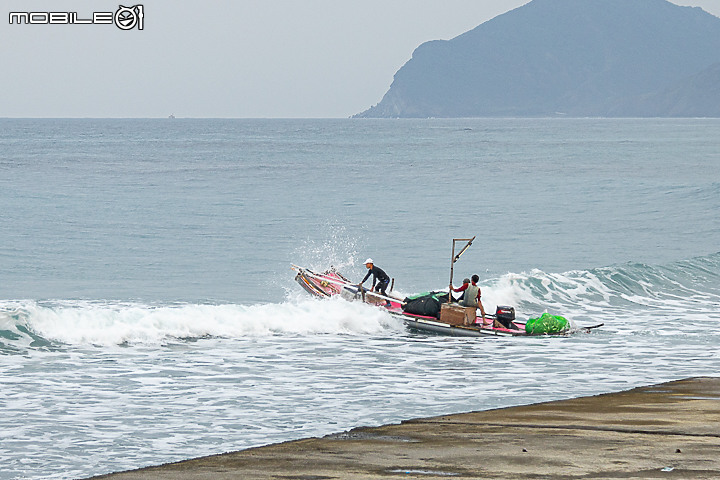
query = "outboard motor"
x=505 y=315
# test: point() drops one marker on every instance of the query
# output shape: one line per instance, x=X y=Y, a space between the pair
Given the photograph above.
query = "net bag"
x=546 y=324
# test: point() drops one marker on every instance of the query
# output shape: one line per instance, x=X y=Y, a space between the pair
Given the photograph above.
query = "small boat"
x=332 y=283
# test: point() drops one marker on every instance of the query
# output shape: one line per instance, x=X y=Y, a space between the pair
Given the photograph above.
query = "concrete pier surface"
x=666 y=431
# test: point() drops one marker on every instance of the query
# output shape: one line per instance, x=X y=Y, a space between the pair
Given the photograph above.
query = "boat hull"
x=332 y=283
x=433 y=326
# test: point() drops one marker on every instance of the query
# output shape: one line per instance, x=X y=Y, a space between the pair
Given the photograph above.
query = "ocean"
x=148 y=312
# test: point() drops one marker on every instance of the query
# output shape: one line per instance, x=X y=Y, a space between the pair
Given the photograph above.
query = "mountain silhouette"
x=644 y=58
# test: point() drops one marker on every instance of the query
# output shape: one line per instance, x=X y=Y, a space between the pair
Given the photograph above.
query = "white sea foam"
x=637 y=296
x=536 y=291
x=111 y=324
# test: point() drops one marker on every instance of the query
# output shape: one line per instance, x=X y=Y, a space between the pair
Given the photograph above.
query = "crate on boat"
x=455 y=314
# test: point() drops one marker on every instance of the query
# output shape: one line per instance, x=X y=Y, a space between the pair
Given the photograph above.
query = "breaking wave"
x=685 y=292
x=50 y=324
x=636 y=297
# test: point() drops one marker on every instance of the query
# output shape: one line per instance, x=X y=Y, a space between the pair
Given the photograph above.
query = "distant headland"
x=580 y=58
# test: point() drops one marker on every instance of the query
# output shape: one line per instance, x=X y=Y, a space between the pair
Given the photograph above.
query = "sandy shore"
x=666 y=431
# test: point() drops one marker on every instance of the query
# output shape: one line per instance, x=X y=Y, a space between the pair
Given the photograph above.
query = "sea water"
x=148 y=312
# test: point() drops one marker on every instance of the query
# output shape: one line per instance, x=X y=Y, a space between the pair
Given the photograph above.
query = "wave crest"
x=634 y=294
x=89 y=323
x=683 y=290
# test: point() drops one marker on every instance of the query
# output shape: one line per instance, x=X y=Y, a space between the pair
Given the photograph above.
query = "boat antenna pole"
x=455 y=258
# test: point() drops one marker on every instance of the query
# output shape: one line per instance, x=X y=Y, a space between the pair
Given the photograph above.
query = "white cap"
x=369 y=260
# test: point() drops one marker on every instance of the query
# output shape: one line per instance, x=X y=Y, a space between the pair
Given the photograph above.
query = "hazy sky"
x=224 y=58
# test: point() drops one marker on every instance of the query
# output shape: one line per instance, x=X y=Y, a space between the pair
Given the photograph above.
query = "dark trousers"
x=382 y=287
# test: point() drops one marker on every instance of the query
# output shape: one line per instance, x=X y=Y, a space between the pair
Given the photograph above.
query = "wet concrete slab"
x=666 y=431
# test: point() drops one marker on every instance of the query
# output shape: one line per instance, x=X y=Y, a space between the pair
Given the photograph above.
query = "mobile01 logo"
x=125 y=18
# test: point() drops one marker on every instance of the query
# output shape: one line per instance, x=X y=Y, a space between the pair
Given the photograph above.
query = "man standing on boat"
x=379 y=277
x=471 y=295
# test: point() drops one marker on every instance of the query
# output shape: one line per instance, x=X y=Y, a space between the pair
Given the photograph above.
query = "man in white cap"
x=380 y=278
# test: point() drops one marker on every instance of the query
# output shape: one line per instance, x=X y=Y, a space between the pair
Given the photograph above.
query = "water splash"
x=104 y=324
x=630 y=298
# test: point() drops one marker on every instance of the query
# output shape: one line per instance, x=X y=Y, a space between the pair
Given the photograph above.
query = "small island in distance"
x=579 y=58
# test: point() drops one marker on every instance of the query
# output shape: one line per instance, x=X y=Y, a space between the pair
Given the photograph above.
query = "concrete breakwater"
x=665 y=431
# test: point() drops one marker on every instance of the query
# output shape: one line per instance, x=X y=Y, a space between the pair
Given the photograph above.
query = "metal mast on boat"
x=455 y=259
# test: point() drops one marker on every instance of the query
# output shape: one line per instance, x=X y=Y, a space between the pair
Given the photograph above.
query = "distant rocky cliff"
x=644 y=58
